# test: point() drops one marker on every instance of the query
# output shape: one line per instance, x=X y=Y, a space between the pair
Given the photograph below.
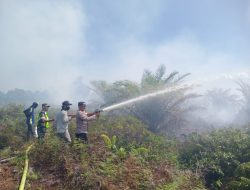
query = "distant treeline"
x=20 y=96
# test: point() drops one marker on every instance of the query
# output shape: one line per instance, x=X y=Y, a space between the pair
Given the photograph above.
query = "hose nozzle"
x=98 y=110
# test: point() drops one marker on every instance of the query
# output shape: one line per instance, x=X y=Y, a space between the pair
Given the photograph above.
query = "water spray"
x=140 y=98
x=170 y=89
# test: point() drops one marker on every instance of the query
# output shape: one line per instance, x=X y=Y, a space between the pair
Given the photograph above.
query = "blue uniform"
x=30 y=121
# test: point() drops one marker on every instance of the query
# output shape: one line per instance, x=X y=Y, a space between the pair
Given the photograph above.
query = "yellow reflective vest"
x=43 y=115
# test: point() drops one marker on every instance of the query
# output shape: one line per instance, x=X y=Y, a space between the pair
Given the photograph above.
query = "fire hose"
x=25 y=170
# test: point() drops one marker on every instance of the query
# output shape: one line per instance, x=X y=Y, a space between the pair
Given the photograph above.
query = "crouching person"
x=62 y=122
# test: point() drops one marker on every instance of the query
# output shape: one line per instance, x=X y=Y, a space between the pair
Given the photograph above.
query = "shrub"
x=216 y=155
x=12 y=127
x=241 y=184
x=243 y=170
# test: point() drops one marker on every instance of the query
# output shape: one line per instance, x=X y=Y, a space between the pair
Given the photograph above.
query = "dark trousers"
x=82 y=136
x=41 y=131
x=29 y=131
x=63 y=137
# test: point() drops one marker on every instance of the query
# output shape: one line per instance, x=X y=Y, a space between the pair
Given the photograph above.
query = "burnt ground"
x=9 y=177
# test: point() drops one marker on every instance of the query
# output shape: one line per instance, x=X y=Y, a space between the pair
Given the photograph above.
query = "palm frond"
x=170 y=77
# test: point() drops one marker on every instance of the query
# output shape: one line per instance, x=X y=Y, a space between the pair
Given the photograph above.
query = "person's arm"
x=85 y=116
x=90 y=114
x=72 y=115
x=28 y=112
x=43 y=118
x=65 y=117
x=32 y=116
x=49 y=120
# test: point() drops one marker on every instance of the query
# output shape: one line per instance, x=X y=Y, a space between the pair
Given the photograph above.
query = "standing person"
x=62 y=122
x=43 y=122
x=82 y=118
x=30 y=119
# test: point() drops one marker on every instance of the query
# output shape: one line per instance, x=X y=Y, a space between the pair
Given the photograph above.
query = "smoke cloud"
x=59 y=46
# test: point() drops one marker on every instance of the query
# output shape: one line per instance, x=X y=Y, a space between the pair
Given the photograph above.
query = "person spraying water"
x=82 y=119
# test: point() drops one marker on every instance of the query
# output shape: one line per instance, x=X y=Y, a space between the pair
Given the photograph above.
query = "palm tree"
x=166 y=112
x=162 y=113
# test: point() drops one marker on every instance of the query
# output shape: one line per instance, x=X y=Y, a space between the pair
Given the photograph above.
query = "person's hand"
x=97 y=114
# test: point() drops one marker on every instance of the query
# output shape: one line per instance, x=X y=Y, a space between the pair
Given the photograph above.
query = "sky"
x=61 y=45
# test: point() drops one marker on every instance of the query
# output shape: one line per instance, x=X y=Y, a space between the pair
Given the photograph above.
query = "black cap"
x=45 y=105
x=82 y=104
x=66 y=103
